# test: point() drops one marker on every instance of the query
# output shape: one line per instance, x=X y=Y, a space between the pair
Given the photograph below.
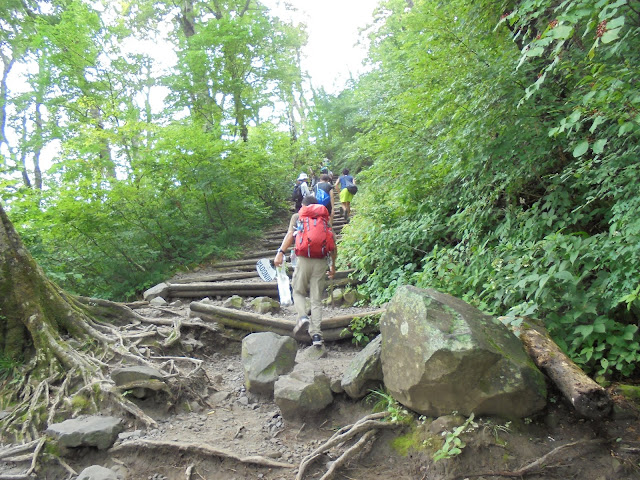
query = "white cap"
x=303 y=176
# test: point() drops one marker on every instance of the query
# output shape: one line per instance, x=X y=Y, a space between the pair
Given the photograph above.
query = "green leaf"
x=624 y=128
x=535 y=52
x=610 y=35
x=581 y=148
x=629 y=332
x=598 y=146
x=615 y=23
x=584 y=330
x=599 y=119
x=562 y=31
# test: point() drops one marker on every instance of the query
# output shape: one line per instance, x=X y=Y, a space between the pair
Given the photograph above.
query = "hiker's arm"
x=286 y=243
x=332 y=269
x=331 y=208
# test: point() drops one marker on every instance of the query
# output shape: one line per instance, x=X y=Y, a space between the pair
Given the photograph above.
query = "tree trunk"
x=588 y=398
x=37 y=319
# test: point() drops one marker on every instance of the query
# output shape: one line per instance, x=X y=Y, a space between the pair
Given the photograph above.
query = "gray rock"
x=235 y=301
x=266 y=356
x=304 y=391
x=446 y=423
x=135 y=373
x=218 y=397
x=96 y=472
x=130 y=435
x=440 y=354
x=350 y=297
x=365 y=370
x=158 y=302
x=265 y=305
x=335 y=297
x=311 y=354
x=160 y=290
x=91 y=431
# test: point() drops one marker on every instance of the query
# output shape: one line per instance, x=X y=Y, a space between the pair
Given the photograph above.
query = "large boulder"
x=306 y=390
x=440 y=355
x=89 y=431
x=365 y=370
x=266 y=356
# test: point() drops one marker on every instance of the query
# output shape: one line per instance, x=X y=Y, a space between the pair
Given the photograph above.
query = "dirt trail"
x=232 y=420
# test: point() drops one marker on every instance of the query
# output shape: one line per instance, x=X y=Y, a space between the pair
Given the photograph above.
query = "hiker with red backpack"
x=315 y=248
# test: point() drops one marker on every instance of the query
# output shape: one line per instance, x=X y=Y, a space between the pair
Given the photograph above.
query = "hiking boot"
x=317 y=341
x=341 y=211
x=301 y=329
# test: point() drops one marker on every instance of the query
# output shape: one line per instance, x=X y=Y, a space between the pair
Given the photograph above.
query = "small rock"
x=158 y=302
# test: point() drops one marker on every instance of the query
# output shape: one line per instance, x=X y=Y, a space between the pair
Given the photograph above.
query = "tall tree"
x=37 y=319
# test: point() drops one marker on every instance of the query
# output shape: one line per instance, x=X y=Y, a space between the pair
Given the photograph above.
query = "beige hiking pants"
x=308 y=281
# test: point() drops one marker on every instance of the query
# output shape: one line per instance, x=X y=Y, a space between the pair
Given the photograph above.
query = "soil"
x=232 y=420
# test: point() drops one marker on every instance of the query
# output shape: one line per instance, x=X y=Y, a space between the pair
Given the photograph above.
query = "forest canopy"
x=496 y=145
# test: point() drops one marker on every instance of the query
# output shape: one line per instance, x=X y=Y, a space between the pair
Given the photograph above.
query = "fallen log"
x=200 y=294
x=220 y=286
x=220 y=277
x=588 y=398
x=244 y=289
x=334 y=328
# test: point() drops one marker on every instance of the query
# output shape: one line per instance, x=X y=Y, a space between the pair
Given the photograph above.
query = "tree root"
x=74 y=370
x=369 y=424
x=540 y=464
x=7 y=456
x=360 y=447
x=205 y=450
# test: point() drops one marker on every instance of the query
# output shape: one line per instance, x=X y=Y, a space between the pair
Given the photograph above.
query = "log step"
x=332 y=328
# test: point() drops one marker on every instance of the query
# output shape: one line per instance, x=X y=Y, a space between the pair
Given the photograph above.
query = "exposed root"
x=537 y=466
x=11 y=451
x=74 y=369
x=197 y=449
x=7 y=456
x=360 y=447
x=368 y=424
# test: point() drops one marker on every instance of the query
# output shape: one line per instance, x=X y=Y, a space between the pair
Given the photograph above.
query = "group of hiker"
x=322 y=189
x=310 y=231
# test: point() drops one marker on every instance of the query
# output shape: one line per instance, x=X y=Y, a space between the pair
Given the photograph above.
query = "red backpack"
x=314 y=238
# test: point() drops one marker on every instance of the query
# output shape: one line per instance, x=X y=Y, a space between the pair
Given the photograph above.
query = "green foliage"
x=453 y=443
x=136 y=189
x=361 y=328
x=383 y=401
x=506 y=167
x=9 y=370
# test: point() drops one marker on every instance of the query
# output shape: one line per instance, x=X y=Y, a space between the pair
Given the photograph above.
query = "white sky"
x=332 y=54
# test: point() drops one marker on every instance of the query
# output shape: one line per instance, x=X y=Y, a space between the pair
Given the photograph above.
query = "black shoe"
x=316 y=340
x=301 y=329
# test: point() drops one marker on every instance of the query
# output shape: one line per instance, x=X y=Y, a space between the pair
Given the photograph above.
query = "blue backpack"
x=322 y=197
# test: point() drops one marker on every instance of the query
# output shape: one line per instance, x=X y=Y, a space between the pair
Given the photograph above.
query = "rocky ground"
x=241 y=426
x=231 y=434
